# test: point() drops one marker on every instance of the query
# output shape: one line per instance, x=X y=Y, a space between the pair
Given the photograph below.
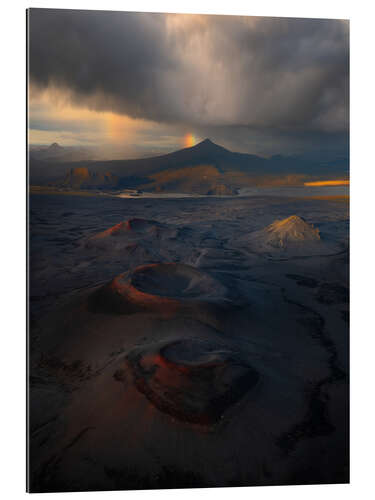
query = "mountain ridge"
x=232 y=169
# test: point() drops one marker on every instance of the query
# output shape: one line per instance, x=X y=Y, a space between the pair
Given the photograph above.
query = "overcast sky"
x=140 y=82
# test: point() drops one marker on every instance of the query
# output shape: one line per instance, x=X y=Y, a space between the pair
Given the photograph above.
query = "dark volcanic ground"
x=227 y=366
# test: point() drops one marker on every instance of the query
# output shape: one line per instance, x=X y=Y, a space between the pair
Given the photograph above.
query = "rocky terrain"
x=290 y=237
x=188 y=342
x=205 y=168
x=83 y=178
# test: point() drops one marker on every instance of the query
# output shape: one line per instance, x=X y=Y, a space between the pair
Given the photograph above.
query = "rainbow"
x=189 y=140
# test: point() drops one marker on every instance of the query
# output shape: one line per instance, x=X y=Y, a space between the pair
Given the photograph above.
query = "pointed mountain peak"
x=293 y=228
x=207 y=142
x=55 y=146
x=208 y=145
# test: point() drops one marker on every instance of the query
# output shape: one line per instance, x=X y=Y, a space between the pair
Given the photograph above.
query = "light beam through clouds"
x=144 y=81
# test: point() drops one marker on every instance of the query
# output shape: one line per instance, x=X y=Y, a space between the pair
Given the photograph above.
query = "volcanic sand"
x=219 y=368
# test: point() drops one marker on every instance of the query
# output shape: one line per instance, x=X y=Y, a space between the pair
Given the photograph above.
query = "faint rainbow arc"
x=189 y=140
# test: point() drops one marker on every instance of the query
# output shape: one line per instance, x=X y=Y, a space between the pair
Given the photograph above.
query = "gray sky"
x=151 y=83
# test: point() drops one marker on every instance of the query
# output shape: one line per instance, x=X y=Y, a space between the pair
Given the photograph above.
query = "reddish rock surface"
x=192 y=380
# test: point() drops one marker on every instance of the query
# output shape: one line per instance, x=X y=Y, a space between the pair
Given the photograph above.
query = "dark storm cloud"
x=110 y=61
x=264 y=74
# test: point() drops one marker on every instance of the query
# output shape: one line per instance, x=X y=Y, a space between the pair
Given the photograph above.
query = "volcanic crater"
x=193 y=380
x=118 y=236
x=162 y=287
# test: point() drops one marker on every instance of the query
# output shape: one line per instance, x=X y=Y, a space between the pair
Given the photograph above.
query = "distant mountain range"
x=206 y=168
x=57 y=153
